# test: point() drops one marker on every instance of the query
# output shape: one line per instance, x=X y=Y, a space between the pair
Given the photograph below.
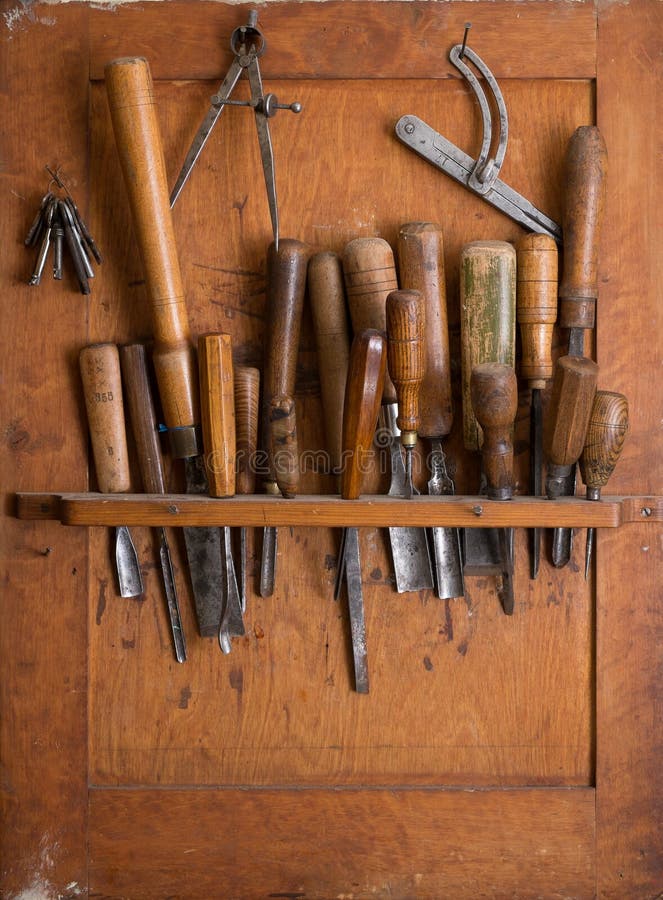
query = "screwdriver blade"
x=172 y=602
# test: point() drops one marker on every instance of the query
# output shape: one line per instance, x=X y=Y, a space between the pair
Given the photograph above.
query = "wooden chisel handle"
x=421 y=268
x=495 y=402
x=365 y=386
x=332 y=337
x=606 y=433
x=406 y=357
x=369 y=270
x=247 y=410
x=133 y=114
x=102 y=387
x=217 y=400
x=565 y=428
x=586 y=169
x=283 y=427
x=135 y=374
x=536 y=306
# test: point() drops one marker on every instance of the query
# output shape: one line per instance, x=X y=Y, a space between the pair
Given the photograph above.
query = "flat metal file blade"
x=356 y=609
x=203 y=549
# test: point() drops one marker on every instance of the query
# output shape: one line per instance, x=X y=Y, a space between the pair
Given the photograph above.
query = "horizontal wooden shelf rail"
x=258 y=510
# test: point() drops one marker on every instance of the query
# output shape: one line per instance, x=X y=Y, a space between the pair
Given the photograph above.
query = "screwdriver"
x=536 y=312
x=406 y=362
x=606 y=433
x=247 y=410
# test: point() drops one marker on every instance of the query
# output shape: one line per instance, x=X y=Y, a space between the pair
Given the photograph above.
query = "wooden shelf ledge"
x=258 y=510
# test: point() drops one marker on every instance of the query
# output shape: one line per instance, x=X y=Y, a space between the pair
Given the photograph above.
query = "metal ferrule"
x=556 y=480
x=503 y=493
x=593 y=493
x=185 y=441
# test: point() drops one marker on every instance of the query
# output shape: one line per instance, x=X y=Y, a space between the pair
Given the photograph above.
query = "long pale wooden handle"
x=247 y=411
x=606 y=433
x=135 y=374
x=536 y=306
x=495 y=402
x=217 y=400
x=102 y=387
x=406 y=356
x=421 y=268
x=571 y=399
x=133 y=114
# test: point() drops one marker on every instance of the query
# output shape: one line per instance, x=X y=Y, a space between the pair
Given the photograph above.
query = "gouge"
x=494 y=393
x=365 y=384
x=133 y=359
x=102 y=388
x=369 y=272
x=286 y=284
x=136 y=129
x=536 y=311
x=606 y=433
x=421 y=268
x=247 y=411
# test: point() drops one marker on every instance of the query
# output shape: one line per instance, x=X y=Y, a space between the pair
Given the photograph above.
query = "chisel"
x=365 y=384
x=421 y=268
x=137 y=136
x=133 y=359
x=584 y=203
x=247 y=411
x=494 y=395
x=606 y=433
x=286 y=284
x=370 y=275
x=102 y=388
x=536 y=311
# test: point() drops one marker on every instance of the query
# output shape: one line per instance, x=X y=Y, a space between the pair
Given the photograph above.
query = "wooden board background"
x=548 y=715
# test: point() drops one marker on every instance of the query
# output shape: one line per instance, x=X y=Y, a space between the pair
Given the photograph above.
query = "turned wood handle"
x=571 y=399
x=247 y=411
x=135 y=375
x=363 y=394
x=487 y=317
x=536 y=305
x=406 y=356
x=586 y=170
x=283 y=426
x=606 y=433
x=494 y=391
x=102 y=387
x=332 y=337
x=217 y=406
x=133 y=114
x=369 y=270
x=421 y=268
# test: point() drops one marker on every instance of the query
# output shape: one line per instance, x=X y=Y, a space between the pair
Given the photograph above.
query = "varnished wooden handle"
x=571 y=399
x=102 y=387
x=283 y=422
x=494 y=392
x=488 y=317
x=133 y=114
x=247 y=411
x=217 y=403
x=332 y=337
x=606 y=433
x=369 y=270
x=421 y=268
x=536 y=305
x=586 y=170
x=406 y=356
x=365 y=386
x=135 y=375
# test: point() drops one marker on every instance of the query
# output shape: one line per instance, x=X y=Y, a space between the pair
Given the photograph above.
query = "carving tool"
x=494 y=392
x=133 y=114
x=286 y=285
x=102 y=388
x=133 y=360
x=481 y=175
x=365 y=384
x=247 y=411
x=606 y=433
x=536 y=311
x=421 y=268
x=369 y=272
x=248 y=45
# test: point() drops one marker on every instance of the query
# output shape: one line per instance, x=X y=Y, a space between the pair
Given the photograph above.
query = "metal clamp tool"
x=480 y=175
x=248 y=44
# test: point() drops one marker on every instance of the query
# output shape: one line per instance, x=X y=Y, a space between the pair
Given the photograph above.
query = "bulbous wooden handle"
x=285 y=457
x=217 y=401
x=571 y=399
x=536 y=305
x=135 y=374
x=606 y=433
x=494 y=392
x=247 y=411
x=406 y=355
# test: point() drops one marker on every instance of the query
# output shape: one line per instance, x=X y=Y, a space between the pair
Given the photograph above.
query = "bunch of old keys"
x=58 y=223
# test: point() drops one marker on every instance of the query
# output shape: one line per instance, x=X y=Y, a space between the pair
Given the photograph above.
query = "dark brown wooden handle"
x=247 y=411
x=606 y=433
x=363 y=394
x=565 y=427
x=369 y=270
x=135 y=375
x=536 y=305
x=421 y=268
x=586 y=170
x=406 y=356
x=332 y=336
x=133 y=114
x=494 y=391
x=285 y=458
x=217 y=404
x=102 y=388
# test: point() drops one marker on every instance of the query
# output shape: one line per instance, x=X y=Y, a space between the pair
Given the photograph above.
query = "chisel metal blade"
x=356 y=609
x=445 y=542
x=128 y=568
x=203 y=549
x=179 y=642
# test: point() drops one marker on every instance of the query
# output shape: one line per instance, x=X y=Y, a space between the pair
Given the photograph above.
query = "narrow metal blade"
x=588 y=551
x=340 y=567
x=241 y=580
x=535 y=476
x=172 y=602
x=266 y=151
x=232 y=624
x=129 y=577
x=506 y=590
x=203 y=550
x=445 y=542
x=562 y=547
x=268 y=566
x=356 y=610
